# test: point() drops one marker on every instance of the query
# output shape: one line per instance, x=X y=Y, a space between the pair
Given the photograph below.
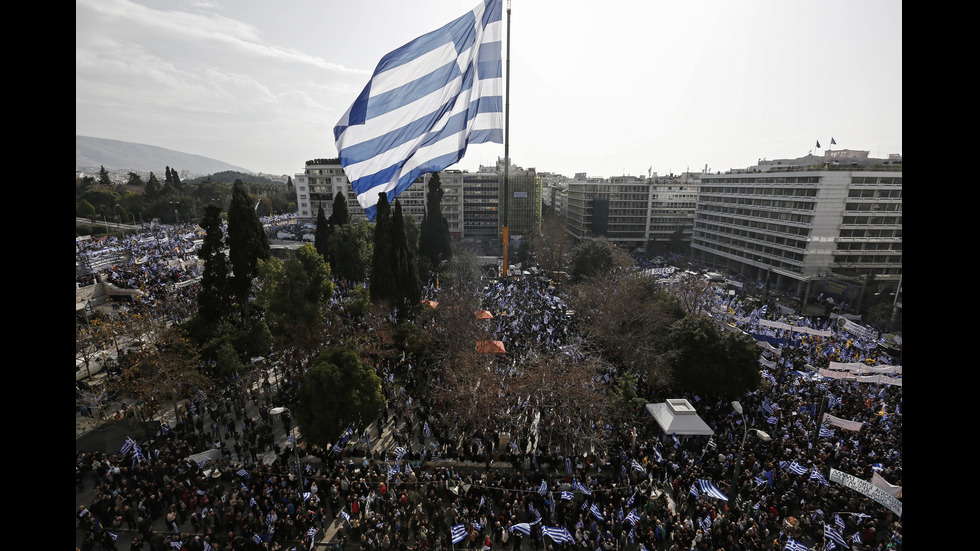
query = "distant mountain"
x=114 y=155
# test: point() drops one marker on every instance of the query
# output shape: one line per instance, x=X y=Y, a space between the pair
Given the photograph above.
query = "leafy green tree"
x=339 y=390
x=321 y=237
x=594 y=256
x=351 y=249
x=293 y=294
x=247 y=244
x=84 y=209
x=434 y=242
x=383 y=286
x=705 y=360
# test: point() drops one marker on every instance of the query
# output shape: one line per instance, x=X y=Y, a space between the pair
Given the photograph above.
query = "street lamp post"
x=299 y=469
x=764 y=436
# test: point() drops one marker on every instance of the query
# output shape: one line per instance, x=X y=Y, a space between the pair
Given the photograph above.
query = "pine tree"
x=247 y=243
x=104 y=179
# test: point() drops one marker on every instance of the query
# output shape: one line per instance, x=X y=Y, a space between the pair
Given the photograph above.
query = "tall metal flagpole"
x=506 y=229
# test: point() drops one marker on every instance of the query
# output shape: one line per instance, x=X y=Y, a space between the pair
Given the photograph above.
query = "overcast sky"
x=608 y=88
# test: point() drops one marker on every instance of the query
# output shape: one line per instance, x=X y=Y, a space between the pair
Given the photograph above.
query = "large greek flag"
x=424 y=104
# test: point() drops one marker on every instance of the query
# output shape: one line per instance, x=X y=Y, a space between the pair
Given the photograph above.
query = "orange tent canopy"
x=490 y=347
x=483 y=315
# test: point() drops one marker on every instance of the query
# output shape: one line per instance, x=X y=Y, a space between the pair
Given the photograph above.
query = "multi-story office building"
x=632 y=211
x=793 y=223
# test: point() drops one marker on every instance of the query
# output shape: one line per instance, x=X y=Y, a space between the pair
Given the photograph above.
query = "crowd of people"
x=408 y=483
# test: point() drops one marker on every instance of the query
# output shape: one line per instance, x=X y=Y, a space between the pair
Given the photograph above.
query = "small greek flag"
x=400 y=452
x=815 y=475
x=595 y=511
x=458 y=532
x=345 y=516
x=796 y=468
x=522 y=527
x=633 y=518
x=567 y=496
x=638 y=467
x=825 y=432
x=793 y=545
x=543 y=489
x=578 y=486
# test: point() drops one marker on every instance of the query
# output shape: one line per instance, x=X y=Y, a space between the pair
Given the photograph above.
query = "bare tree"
x=625 y=313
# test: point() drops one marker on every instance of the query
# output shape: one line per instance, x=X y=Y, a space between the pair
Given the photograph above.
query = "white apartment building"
x=797 y=222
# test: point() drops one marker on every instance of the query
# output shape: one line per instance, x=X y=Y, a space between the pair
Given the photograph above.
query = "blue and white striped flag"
x=567 y=496
x=425 y=102
x=311 y=532
x=825 y=432
x=834 y=535
x=543 y=489
x=345 y=516
x=856 y=538
x=400 y=452
x=796 y=468
x=127 y=445
x=793 y=545
x=521 y=527
x=657 y=456
x=706 y=524
x=815 y=475
x=877 y=467
x=694 y=490
x=710 y=489
x=629 y=503
x=839 y=523
x=578 y=486
x=595 y=511
x=633 y=518
x=637 y=467
x=677 y=441
x=458 y=532
x=558 y=533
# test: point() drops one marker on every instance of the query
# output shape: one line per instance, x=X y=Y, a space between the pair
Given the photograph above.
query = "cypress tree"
x=322 y=235
x=247 y=243
x=404 y=265
x=213 y=301
x=435 y=243
x=383 y=285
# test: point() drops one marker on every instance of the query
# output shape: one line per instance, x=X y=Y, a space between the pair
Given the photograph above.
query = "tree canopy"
x=338 y=391
x=703 y=359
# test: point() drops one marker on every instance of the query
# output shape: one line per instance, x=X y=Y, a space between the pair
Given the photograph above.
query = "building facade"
x=794 y=222
x=631 y=211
